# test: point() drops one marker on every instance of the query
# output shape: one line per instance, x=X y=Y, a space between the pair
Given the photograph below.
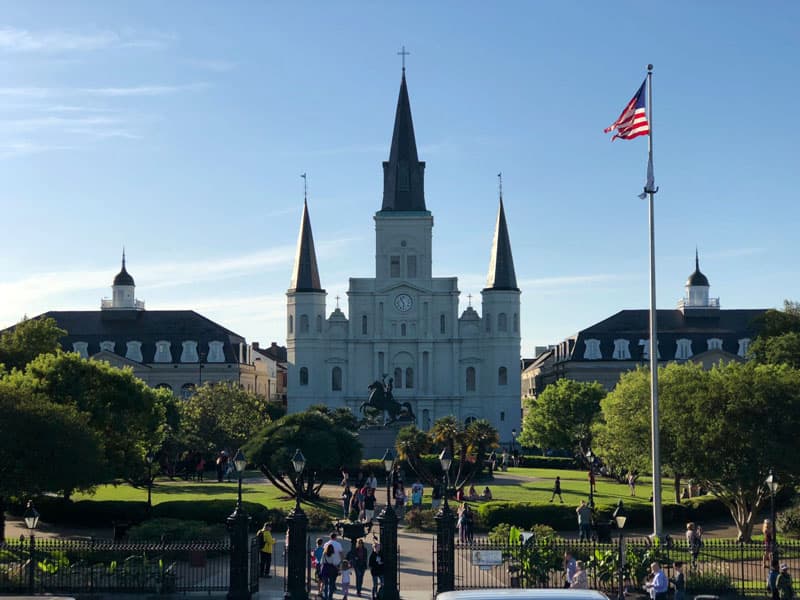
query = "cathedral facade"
x=402 y=325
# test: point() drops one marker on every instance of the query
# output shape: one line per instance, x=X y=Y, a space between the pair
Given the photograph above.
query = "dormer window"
x=133 y=351
x=216 y=354
x=592 y=351
x=189 y=353
x=107 y=346
x=714 y=344
x=81 y=348
x=622 y=350
x=684 y=349
x=646 y=349
x=163 y=354
x=744 y=346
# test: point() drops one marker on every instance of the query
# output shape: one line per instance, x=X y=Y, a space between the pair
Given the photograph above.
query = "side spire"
x=501 y=266
x=403 y=173
x=305 y=276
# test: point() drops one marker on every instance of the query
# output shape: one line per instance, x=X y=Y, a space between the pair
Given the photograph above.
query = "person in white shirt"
x=659 y=584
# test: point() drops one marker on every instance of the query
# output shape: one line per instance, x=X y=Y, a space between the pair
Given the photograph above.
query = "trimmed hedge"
x=549 y=462
x=562 y=516
x=177 y=530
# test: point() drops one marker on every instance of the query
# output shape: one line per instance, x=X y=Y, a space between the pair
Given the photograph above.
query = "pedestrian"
x=462 y=529
x=493 y=460
x=376 y=569
x=347 y=574
x=460 y=494
x=772 y=579
x=580 y=580
x=766 y=530
x=357 y=557
x=265 y=544
x=347 y=496
x=316 y=562
x=372 y=482
x=632 y=483
x=436 y=495
x=416 y=494
x=469 y=523
x=345 y=477
x=219 y=468
x=369 y=506
x=570 y=566
x=784 y=584
x=557 y=490
x=694 y=541
x=487 y=493
x=592 y=482
x=200 y=467
x=329 y=571
x=337 y=546
x=400 y=500
x=584 y=521
x=679 y=581
x=658 y=585
x=473 y=493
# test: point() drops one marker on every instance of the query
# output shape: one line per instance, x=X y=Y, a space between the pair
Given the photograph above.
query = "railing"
x=106 y=303
x=85 y=566
x=722 y=566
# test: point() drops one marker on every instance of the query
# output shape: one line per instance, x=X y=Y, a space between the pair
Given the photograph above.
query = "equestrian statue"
x=380 y=398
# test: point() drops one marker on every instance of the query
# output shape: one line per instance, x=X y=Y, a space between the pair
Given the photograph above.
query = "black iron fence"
x=721 y=567
x=41 y=565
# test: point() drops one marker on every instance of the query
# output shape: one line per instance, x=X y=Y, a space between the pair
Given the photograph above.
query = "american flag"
x=633 y=120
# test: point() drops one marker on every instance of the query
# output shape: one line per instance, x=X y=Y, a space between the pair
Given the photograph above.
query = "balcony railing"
x=107 y=303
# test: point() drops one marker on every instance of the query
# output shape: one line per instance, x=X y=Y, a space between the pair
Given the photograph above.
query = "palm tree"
x=449 y=432
x=480 y=437
x=411 y=444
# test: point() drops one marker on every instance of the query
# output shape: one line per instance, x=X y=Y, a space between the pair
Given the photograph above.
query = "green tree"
x=480 y=437
x=127 y=414
x=562 y=415
x=342 y=416
x=28 y=339
x=779 y=339
x=411 y=443
x=222 y=416
x=324 y=444
x=44 y=447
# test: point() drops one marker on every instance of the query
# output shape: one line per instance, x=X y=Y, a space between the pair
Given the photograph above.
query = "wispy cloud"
x=16 y=40
x=211 y=64
x=104 y=92
x=734 y=253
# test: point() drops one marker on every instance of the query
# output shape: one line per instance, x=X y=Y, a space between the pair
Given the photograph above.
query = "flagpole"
x=654 y=423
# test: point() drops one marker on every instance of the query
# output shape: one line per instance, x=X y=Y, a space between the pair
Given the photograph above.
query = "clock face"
x=403 y=302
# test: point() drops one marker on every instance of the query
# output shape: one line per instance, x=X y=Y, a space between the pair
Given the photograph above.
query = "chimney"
x=255 y=345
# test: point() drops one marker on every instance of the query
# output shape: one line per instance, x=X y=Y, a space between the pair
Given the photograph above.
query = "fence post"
x=388 y=525
x=238 y=585
x=445 y=550
x=296 y=554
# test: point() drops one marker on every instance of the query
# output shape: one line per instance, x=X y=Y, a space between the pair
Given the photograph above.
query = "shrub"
x=177 y=530
x=715 y=578
x=789 y=521
x=548 y=462
x=499 y=533
x=318 y=519
x=420 y=519
x=217 y=511
x=97 y=513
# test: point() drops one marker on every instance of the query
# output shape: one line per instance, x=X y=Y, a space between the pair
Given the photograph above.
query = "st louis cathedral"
x=403 y=325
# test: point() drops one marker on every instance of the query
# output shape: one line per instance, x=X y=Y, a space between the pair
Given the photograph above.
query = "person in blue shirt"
x=659 y=584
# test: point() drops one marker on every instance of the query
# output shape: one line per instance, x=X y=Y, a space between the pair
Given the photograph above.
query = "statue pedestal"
x=376 y=441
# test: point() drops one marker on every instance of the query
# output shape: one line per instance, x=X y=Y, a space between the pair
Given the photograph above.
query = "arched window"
x=502 y=376
x=409 y=377
x=363 y=324
x=134 y=351
x=442 y=324
x=187 y=390
x=303 y=323
x=402 y=329
x=336 y=379
x=189 y=352
x=516 y=323
x=291 y=324
x=470 y=379
x=163 y=354
x=426 y=419
x=216 y=353
x=81 y=348
x=303 y=375
x=398 y=377
x=488 y=319
x=319 y=323
x=502 y=323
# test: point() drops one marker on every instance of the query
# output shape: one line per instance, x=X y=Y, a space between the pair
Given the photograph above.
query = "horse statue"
x=380 y=398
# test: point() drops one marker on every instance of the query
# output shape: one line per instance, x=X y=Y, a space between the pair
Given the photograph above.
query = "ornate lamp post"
x=619 y=518
x=387 y=521
x=149 y=458
x=238 y=524
x=445 y=533
x=296 y=537
x=590 y=460
x=31 y=516
x=772 y=484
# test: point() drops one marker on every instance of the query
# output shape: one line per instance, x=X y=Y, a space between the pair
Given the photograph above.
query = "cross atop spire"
x=501 y=266
x=469 y=297
x=403 y=53
x=305 y=188
x=500 y=185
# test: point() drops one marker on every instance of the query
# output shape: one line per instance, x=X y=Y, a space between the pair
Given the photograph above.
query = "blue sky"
x=180 y=129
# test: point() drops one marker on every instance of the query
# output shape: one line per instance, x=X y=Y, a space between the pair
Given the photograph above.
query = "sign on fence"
x=487 y=558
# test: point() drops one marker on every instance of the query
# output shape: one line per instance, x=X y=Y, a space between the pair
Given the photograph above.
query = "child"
x=346 y=574
x=679 y=581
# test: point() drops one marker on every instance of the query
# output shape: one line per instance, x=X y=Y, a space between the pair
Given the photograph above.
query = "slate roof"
x=148 y=327
x=501 y=265
x=305 y=275
x=403 y=173
x=634 y=325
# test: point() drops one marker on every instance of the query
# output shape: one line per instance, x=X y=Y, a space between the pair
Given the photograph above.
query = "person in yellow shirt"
x=266 y=543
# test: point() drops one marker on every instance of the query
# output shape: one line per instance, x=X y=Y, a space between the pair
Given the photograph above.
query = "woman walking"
x=329 y=572
x=358 y=560
x=376 y=568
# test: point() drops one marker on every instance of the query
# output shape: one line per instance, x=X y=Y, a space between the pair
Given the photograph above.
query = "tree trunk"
x=678 y=488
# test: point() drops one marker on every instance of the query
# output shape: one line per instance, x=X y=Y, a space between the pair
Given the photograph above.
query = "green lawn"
x=574 y=488
x=165 y=490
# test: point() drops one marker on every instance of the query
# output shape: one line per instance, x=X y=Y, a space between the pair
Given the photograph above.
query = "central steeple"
x=403 y=173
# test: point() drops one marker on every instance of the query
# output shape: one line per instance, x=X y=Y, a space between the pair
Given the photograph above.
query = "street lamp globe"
x=239 y=462
x=298 y=461
x=620 y=516
x=149 y=457
x=772 y=482
x=31 y=516
x=388 y=460
x=445 y=459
